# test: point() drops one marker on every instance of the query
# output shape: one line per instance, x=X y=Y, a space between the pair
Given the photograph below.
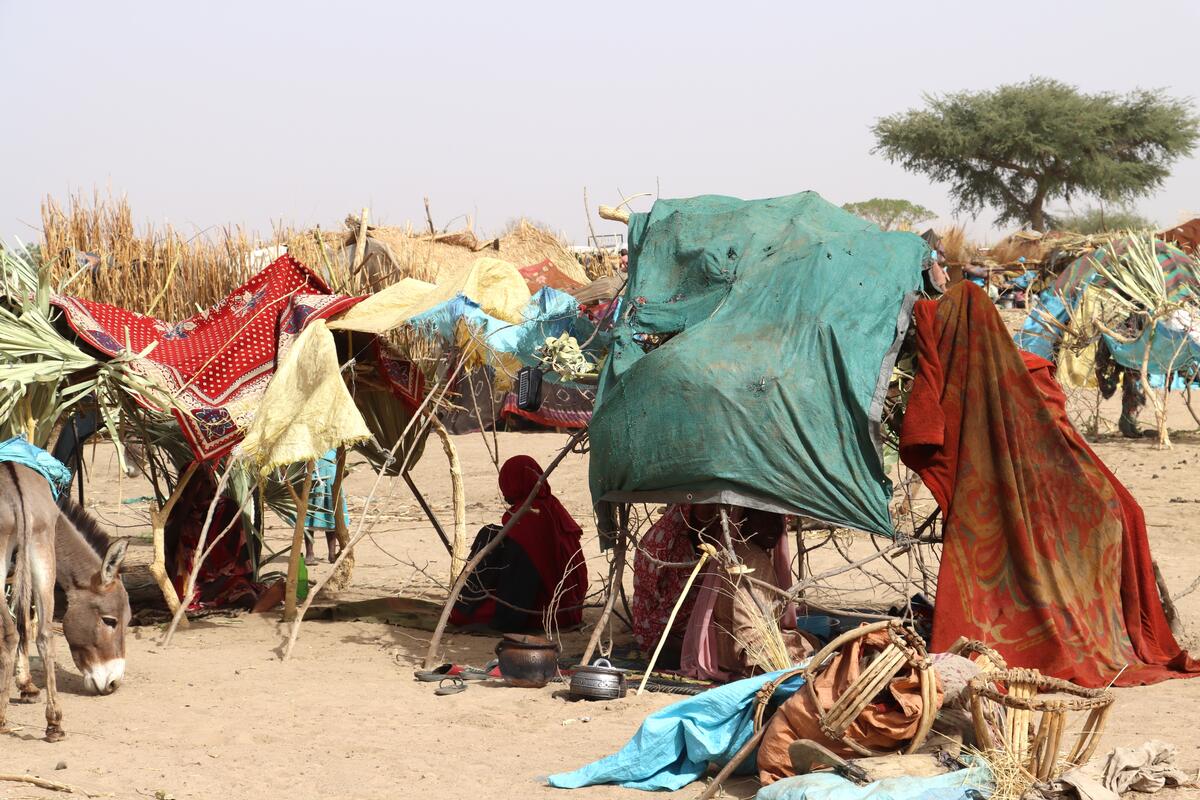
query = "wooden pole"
x=341 y=576
x=458 y=551
x=433 y=520
x=706 y=550
x=293 y=574
x=616 y=575
x=741 y=755
x=360 y=243
x=158 y=531
x=180 y=616
x=1169 y=608
x=429 y=218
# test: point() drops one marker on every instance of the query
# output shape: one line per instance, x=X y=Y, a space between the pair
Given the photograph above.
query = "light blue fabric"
x=321 y=501
x=974 y=782
x=19 y=451
x=1023 y=280
x=548 y=313
x=1039 y=335
x=674 y=746
x=1168 y=348
x=320 y=497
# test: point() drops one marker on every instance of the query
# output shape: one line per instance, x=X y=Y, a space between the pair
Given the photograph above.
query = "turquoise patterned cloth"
x=320 y=497
x=19 y=451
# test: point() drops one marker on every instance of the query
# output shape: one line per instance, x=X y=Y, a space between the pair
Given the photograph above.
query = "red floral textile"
x=544 y=273
x=656 y=589
x=226 y=578
x=1036 y=529
x=217 y=363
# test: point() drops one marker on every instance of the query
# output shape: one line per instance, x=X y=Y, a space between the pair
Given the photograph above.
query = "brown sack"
x=884 y=726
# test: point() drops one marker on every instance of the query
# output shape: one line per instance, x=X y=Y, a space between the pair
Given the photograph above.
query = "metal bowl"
x=528 y=662
x=600 y=681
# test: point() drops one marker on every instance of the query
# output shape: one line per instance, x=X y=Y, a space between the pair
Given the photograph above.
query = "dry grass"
x=162 y=271
x=955 y=246
x=425 y=256
x=1010 y=776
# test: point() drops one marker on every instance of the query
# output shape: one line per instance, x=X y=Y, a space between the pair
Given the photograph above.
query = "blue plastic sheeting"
x=1039 y=335
x=548 y=313
x=1168 y=349
x=674 y=746
x=966 y=784
x=19 y=451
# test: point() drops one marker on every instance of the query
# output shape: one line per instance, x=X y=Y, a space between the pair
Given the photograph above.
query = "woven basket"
x=1029 y=710
x=986 y=658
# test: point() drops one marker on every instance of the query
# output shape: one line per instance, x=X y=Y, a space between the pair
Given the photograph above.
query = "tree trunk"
x=1037 y=210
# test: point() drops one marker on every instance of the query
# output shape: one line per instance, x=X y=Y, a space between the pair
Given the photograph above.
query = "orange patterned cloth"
x=1045 y=556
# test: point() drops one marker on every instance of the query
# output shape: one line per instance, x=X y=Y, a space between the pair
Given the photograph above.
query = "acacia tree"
x=1016 y=147
x=889 y=213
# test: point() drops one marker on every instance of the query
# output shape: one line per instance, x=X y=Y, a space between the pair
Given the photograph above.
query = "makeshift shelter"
x=486 y=314
x=1095 y=273
x=765 y=330
x=390 y=254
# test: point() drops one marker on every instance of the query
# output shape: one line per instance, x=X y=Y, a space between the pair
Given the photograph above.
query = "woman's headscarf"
x=548 y=534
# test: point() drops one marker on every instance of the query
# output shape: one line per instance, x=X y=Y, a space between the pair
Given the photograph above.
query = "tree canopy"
x=1016 y=147
x=890 y=213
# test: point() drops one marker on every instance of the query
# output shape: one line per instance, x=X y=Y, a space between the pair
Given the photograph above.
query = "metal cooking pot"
x=600 y=681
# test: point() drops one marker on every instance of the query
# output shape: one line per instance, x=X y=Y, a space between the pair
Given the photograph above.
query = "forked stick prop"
x=706 y=551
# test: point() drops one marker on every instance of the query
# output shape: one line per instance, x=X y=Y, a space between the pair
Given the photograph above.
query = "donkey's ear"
x=113 y=560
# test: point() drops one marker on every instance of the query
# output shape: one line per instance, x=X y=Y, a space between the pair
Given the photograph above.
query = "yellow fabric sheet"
x=1079 y=370
x=307 y=409
x=496 y=285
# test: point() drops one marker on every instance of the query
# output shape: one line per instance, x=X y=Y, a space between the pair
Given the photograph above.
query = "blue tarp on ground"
x=674 y=746
x=965 y=784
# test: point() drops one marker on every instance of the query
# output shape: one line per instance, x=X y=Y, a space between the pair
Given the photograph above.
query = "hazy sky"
x=251 y=112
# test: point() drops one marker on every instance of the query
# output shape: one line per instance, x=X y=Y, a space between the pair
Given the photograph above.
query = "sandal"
x=476 y=674
x=433 y=675
x=456 y=686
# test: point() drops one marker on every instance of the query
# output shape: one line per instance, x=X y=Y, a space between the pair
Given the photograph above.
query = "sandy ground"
x=217 y=714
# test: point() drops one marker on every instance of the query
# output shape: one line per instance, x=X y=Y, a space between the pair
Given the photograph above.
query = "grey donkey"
x=70 y=546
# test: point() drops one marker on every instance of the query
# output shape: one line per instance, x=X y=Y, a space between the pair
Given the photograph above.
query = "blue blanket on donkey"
x=19 y=451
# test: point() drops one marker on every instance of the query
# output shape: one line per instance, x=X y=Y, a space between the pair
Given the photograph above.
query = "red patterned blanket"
x=217 y=363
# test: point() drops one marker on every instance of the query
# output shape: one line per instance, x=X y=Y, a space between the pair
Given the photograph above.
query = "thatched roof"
x=394 y=253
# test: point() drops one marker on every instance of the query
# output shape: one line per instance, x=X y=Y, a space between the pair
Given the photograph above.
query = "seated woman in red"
x=541 y=555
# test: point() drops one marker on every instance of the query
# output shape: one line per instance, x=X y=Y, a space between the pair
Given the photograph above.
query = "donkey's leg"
x=43 y=591
x=8 y=649
x=25 y=685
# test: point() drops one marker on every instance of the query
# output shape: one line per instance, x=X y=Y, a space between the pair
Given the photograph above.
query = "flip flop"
x=456 y=686
x=490 y=670
x=434 y=675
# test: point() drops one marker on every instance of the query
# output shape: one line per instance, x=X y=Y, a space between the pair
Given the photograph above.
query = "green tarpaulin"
x=750 y=361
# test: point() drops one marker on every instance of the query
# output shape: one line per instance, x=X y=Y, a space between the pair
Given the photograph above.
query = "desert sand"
x=218 y=714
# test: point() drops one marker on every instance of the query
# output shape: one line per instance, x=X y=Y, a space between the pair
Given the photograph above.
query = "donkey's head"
x=97 y=614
